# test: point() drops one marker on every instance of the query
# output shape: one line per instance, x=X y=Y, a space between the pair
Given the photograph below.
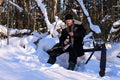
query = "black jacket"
x=79 y=33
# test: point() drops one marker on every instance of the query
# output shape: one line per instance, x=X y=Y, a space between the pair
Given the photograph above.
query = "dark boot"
x=71 y=66
x=51 y=60
x=102 y=73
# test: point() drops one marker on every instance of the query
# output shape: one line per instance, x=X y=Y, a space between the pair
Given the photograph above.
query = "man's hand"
x=71 y=34
x=66 y=41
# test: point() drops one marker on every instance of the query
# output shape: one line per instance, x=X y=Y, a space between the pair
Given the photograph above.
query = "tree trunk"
x=102 y=13
x=8 y=8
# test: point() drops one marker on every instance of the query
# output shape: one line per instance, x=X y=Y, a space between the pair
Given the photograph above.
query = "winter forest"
x=27 y=14
x=28 y=28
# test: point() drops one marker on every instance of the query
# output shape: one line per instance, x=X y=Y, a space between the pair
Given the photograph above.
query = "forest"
x=26 y=14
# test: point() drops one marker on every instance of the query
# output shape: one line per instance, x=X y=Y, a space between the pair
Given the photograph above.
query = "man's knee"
x=51 y=60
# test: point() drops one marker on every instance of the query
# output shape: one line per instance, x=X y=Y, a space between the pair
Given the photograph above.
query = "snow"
x=74 y=10
x=115 y=26
x=113 y=30
x=23 y=60
x=116 y=23
x=3 y=29
x=107 y=17
x=12 y=31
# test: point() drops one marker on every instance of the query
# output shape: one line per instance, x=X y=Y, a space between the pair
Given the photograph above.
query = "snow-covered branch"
x=94 y=28
x=51 y=27
x=88 y=37
x=114 y=29
x=3 y=31
x=44 y=11
x=117 y=23
x=107 y=17
x=75 y=11
x=115 y=26
x=17 y=6
x=33 y=7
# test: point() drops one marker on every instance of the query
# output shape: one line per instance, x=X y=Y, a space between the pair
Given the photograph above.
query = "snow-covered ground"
x=23 y=60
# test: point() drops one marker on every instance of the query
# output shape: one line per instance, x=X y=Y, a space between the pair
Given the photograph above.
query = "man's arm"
x=79 y=32
x=63 y=36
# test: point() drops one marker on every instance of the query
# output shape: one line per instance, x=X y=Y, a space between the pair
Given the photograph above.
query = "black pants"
x=58 y=50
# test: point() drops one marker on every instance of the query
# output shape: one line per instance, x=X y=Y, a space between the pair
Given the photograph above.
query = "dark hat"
x=68 y=16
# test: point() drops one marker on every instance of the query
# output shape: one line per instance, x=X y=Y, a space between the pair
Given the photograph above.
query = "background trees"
x=102 y=12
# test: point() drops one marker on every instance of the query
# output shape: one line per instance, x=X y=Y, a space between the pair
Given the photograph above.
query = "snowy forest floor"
x=23 y=60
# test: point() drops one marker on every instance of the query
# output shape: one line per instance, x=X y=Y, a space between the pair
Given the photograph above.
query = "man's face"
x=69 y=22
